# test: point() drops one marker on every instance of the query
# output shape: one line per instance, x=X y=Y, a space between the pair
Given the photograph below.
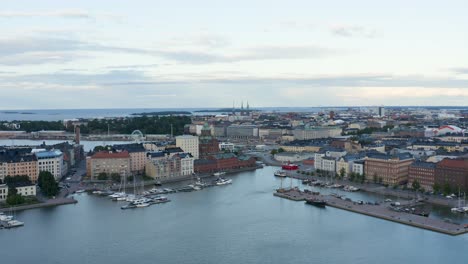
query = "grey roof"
x=422 y=164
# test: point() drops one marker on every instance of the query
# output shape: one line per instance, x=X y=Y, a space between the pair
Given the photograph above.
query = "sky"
x=174 y=54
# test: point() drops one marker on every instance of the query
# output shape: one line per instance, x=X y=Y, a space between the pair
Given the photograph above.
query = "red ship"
x=290 y=166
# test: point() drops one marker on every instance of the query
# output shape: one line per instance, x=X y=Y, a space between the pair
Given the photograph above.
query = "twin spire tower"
x=243 y=112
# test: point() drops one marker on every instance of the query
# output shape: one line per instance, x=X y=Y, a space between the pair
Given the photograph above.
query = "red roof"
x=454 y=163
x=111 y=155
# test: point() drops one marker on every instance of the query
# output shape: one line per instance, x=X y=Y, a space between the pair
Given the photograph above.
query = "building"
x=51 y=161
x=137 y=154
x=381 y=111
x=293 y=157
x=108 y=162
x=226 y=146
x=316 y=132
x=223 y=162
x=346 y=163
x=189 y=144
x=358 y=167
x=3 y=192
x=423 y=173
x=164 y=169
x=453 y=172
x=242 y=131
x=18 y=162
x=391 y=169
x=24 y=188
x=208 y=144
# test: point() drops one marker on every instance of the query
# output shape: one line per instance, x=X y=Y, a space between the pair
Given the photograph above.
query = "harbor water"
x=237 y=223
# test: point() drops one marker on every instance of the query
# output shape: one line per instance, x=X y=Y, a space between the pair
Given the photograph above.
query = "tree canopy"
x=46 y=181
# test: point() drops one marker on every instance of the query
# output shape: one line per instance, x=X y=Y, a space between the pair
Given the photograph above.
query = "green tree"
x=280 y=150
x=436 y=188
x=115 y=177
x=352 y=176
x=342 y=173
x=14 y=198
x=446 y=189
x=130 y=178
x=274 y=152
x=375 y=178
x=102 y=176
x=415 y=185
x=46 y=181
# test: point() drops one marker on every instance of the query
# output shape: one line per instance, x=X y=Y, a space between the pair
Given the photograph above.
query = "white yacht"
x=222 y=181
x=219 y=173
x=280 y=173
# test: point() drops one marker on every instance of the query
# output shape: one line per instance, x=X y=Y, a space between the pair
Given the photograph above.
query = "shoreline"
x=48 y=203
x=379 y=211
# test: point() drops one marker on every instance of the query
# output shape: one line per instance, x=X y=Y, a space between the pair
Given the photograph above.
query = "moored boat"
x=316 y=202
x=280 y=173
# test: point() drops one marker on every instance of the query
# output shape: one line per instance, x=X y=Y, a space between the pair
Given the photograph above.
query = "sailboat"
x=460 y=209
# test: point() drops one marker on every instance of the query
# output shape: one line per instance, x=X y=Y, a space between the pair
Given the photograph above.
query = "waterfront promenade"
x=381 y=211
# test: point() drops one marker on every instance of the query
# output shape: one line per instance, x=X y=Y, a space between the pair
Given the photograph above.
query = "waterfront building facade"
x=137 y=154
x=18 y=162
x=189 y=144
x=391 y=169
x=51 y=161
x=423 y=173
x=453 y=172
x=108 y=162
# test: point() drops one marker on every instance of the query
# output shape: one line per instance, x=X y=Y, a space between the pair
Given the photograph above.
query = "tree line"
x=146 y=124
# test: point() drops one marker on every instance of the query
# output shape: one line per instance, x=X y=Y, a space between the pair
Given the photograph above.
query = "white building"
x=358 y=167
x=3 y=192
x=26 y=189
x=226 y=146
x=51 y=161
x=186 y=164
x=188 y=144
x=316 y=132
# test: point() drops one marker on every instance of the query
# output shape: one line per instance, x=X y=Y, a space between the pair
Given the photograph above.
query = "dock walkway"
x=381 y=211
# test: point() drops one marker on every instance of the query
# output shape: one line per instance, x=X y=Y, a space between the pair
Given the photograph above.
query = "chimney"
x=77 y=135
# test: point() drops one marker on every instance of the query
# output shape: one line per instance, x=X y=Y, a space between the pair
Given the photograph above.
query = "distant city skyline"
x=193 y=54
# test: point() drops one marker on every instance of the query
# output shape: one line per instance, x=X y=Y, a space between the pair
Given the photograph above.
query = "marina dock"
x=382 y=211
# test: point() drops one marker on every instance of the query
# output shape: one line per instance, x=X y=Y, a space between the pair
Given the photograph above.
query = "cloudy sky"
x=150 y=53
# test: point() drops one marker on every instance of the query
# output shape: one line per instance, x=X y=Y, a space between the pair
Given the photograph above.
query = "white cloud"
x=71 y=13
x=353 y=31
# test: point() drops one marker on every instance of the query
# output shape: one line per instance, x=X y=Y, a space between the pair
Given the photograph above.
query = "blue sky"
x=114 y=54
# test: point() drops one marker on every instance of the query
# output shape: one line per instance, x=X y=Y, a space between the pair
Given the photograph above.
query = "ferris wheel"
x=137 y=136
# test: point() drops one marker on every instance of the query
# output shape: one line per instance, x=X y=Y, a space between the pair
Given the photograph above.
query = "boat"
x=290 y=166
x=221 y=173
x=6 y=218
x=139 y=205
x=222 y=181
x=316 y=202
x=280 y=173
x=80 y=191
x=13 y=223
x=349 y=188
x=158 y=183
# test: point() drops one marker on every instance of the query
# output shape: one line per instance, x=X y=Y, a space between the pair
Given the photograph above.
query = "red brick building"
x=208 y=145
x=454 y=172
x=423 y=173
x=221 y=162
x=393 y=170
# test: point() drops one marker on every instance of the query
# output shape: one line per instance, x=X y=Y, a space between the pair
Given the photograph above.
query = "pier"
x=382 y=211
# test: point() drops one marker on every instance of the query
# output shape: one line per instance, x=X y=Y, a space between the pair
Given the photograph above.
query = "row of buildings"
x=30 y=161
x=190 y=154
x=395 y=169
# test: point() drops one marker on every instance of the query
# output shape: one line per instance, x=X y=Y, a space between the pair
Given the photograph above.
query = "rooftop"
x=111 y=155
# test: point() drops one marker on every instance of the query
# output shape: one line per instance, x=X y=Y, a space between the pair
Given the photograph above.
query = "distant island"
x=225 y=110
x=21 y=113
x=162 y=113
